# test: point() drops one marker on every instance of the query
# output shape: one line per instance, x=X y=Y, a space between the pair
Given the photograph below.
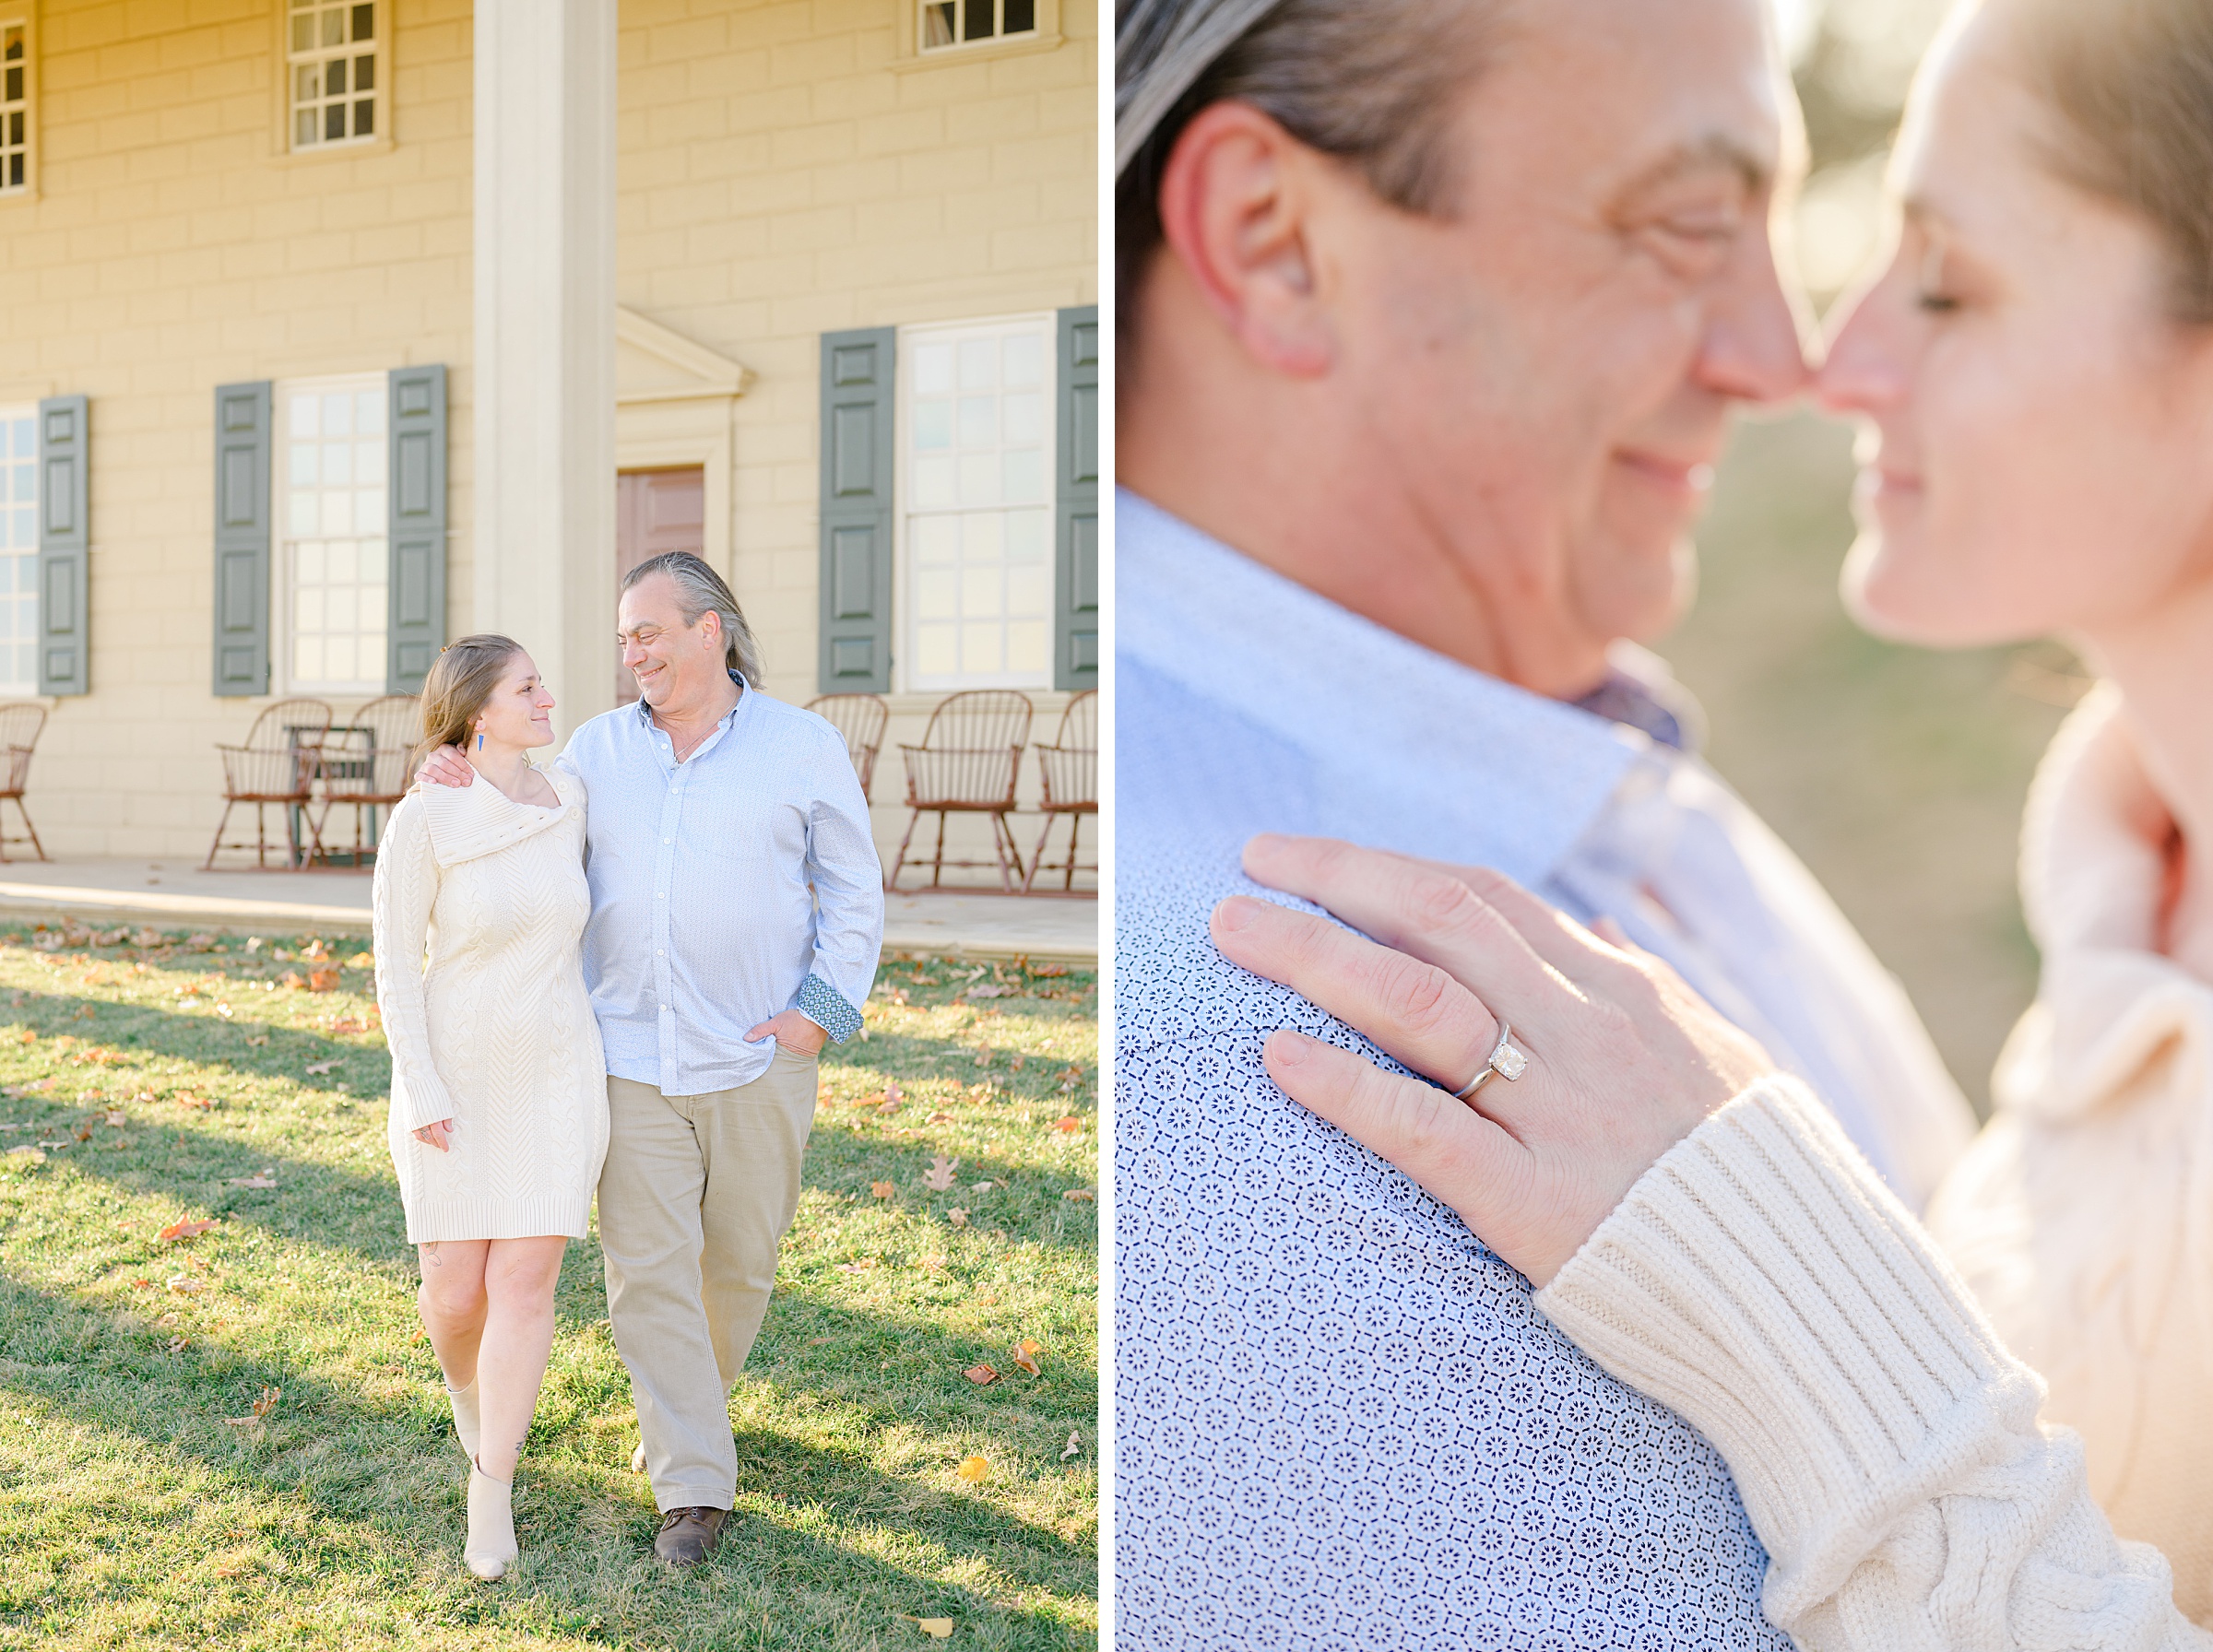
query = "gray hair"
x=699 y=589
x=1373 y=82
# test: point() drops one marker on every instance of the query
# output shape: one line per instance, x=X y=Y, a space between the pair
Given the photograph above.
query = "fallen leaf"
x=84 y=1132
x=261 y=1181
x=987 y=990
x=979 y=1375
x=972 y=1470
x=185 y=1229
x=185 y=1285
x=323 y=980
x=983 y=1057
x=258 y=1038
x=184 y=1098
x=1049 y=971
x=147 y=938
x=321 y=1067
x=939 y=1117
x=176 y=1345
x=1075 y=1444
x=866 y=1265
x=361 y=960
x=936 y=1628
x=1025 y=1355
x=260 y=1413
x=882 y=1190
x=1083 y=1195
x=958 y=1217
x=290 y=978
x=938 y=1178
x=1068 y=1124
x=346 y=1024
x=28 y=1155
x=115 y=1119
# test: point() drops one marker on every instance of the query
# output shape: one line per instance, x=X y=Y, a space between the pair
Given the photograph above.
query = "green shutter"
x=64 y=546
x=416 y=490
x=241 y=538
x=857 y=510
x=1076 y=504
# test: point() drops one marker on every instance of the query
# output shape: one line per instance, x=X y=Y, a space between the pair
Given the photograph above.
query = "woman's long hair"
x=460 y=682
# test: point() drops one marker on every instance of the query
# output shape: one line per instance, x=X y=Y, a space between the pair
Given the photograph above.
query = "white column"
x=545 y=340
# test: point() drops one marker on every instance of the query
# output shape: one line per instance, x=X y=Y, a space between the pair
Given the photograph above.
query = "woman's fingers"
x=1414 y=1009
x=1458 y=1154
x=1395 y=897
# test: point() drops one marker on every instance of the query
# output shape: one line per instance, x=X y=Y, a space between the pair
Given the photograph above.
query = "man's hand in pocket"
x=793 y=1031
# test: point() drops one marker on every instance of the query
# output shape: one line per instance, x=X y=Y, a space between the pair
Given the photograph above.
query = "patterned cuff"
x=819 y=1003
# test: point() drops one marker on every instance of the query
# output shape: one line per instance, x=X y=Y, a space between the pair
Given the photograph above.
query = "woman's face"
x=2037 y=444
x=520 y=711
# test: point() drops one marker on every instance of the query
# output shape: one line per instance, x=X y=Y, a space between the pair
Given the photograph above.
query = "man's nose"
x=1757 y=333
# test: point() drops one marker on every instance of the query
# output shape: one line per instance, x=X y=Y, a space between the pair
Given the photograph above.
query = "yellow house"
x=331 y=331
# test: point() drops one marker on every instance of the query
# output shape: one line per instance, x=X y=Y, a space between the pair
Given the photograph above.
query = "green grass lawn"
x=143 y=1505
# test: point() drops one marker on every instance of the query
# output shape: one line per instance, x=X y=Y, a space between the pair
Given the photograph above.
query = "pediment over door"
x=654 y=364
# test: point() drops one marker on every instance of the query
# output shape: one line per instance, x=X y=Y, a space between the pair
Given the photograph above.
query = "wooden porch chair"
x=1069 y=768
x=967 y=763
x=20 y=723
x=861 y=719
x=363 y=764
x=276 y=764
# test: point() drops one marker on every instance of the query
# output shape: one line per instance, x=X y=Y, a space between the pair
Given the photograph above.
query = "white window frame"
x=903 y=652
x=27 y=107
x=1043 y=35
x=281 y=538
x=9 y=412
x=381 y=94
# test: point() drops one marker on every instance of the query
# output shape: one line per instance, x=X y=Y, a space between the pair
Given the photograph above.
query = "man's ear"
x=1235 y=201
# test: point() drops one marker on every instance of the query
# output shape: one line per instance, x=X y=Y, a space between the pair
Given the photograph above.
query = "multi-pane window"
x=335 y=558
x=18 y=549
x=979 y=529
x=15 y=106
x=964 y=22
x=331 y=51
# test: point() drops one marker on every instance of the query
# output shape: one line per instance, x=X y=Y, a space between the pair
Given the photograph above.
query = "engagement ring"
x=1508 y=1062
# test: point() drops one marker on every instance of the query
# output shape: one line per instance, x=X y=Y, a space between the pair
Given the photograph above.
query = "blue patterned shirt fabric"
x=1340 y=1422
x=738 y=883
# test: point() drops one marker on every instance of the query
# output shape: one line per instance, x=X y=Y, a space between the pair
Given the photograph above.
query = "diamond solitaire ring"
x=1508 y=1062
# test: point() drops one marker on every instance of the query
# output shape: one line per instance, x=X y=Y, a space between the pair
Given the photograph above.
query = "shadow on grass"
x=347 y=1460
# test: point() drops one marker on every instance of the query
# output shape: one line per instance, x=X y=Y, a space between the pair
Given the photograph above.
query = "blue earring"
x=480 y=742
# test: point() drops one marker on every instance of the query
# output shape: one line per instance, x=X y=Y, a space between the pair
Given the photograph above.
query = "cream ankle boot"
x=491 y=1549
x=467 y=1421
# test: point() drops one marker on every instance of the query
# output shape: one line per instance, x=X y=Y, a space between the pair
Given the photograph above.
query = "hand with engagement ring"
x=1610 y=1060
x=438 y=1135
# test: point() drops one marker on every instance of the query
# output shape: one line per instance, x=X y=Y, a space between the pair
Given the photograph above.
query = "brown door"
x=656 y=511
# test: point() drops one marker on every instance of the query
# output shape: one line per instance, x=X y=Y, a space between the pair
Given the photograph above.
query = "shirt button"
x=668 y=839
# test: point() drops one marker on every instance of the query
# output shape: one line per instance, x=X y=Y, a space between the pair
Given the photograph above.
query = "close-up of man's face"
x=1555 y=358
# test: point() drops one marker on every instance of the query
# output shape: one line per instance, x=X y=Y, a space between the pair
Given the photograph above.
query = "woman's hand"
x=1625 y=1060
x=446 y=766
x=437 y=1135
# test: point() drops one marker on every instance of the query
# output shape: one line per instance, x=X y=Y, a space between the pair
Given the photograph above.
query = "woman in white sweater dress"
x=1997 y=1432
x=499 y=1091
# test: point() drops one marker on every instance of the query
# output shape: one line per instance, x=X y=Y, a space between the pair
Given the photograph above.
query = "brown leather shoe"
x=688 y=1535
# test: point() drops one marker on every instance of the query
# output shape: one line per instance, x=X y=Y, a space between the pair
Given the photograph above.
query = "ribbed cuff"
x=424 y=1104
x=1762 y=1281
x=821 y=1004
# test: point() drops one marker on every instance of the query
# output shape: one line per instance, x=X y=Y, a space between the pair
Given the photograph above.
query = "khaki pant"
x=696 y=1192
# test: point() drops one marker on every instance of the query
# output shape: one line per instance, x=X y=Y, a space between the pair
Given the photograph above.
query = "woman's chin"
x=1887 y=595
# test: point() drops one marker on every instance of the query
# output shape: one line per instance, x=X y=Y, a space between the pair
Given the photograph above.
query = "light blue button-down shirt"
x=1341 y=1421
x=736 y=884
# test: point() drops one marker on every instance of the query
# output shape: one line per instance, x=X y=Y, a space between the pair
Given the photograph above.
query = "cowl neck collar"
x=471 y=821
x=2109 y=1005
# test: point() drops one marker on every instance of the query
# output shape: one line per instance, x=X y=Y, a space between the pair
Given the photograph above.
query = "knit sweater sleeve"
x=406 y=885
x=1762 y=1281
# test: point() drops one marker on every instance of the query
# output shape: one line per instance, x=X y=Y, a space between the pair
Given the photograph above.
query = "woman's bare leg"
x=519 y=1276
x=452 y=1303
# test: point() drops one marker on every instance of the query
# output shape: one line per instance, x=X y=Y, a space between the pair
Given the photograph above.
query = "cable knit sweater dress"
x=480 y=904
x=1999 y=1438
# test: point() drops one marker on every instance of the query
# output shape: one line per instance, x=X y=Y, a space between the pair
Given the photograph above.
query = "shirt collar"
x=645 y=712
x=1378 y=715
